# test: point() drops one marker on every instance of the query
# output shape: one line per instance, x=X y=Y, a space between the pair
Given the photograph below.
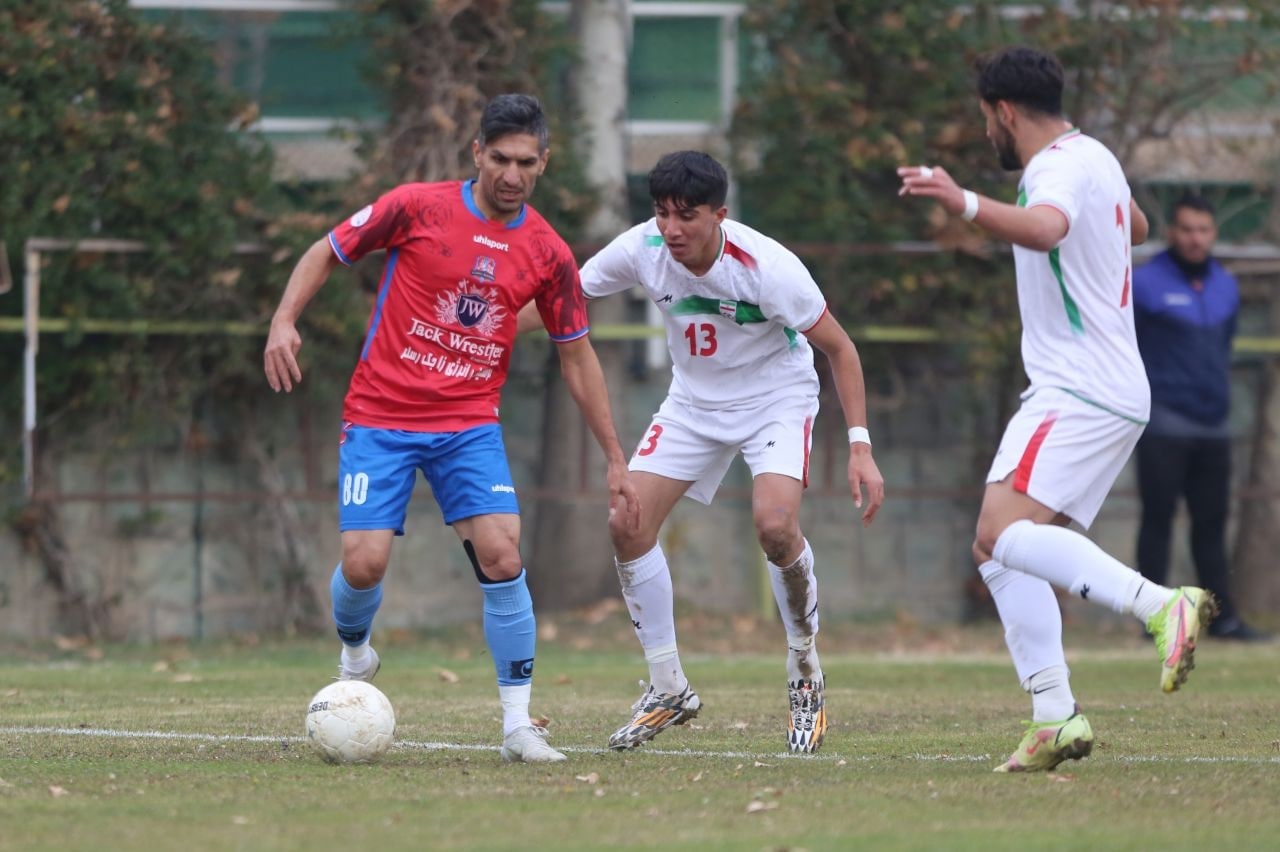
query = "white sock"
x=795 y=589
x=1071 y=561
x=1150 y=599
x=1031 y=617
x=515 y=706
x=1051 y=698
x=665 y=672
x=802 y=659
x=646 y=587
x=356 y=657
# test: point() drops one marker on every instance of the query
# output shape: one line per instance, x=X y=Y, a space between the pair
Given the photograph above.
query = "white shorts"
x=696 y=445
x=1065 y=453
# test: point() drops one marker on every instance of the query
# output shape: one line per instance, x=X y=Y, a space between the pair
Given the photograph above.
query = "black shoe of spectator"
x=1234 y=628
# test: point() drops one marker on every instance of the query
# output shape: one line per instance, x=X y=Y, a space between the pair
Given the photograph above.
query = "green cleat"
x=1176 y=628
x=1046 y=744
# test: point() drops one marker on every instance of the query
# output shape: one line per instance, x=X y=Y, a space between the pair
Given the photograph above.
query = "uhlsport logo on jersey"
x=481 y=239
x=485 y=268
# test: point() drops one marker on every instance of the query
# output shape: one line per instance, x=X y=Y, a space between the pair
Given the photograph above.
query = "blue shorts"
x=467 y=472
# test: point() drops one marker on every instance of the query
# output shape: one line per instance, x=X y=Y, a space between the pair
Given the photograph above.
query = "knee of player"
x=628 y=538
x=498 y=567
x=981 y=554
x=779 y=537
x=984 y=542
x=363 y=571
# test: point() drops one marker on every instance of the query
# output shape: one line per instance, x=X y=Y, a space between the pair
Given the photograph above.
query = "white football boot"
x=365 y=674
x=529 y=745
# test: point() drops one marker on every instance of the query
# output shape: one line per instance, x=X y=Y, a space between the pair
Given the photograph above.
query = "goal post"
x=33 y=325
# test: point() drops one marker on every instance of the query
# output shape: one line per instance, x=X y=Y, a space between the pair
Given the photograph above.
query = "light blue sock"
x=510 y=630
x=353 y=609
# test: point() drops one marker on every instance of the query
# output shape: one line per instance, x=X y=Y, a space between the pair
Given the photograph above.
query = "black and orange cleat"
x=653 y=714
x=807 y=724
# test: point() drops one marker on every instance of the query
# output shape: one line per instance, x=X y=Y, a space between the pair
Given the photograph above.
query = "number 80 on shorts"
x=355 y=489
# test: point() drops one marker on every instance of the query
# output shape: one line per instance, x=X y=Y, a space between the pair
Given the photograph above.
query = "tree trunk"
x=1255 y=582
x=301 y=611
x=572 y=555
x=40 y=526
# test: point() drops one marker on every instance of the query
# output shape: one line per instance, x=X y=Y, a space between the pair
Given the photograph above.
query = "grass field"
x=200 y=748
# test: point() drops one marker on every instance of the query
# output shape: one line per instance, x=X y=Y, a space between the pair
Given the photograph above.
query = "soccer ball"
x=350 y=721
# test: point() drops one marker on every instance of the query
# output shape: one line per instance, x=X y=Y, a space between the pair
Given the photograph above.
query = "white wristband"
x=859 y=435
x=970 y=205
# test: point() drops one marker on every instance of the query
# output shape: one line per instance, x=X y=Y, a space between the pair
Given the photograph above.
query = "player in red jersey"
x=462 y=259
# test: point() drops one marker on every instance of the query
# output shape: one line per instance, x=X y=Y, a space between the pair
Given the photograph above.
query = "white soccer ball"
x=350 y=721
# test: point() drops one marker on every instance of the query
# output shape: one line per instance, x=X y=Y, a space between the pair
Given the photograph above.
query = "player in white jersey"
x=740 y=312
x=1086 y=405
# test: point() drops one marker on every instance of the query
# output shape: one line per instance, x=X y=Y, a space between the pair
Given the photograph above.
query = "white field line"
x=110 y=733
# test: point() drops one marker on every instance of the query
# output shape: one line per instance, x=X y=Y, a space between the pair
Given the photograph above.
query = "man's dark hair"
x=1191 y=201
x=505 y=115
x=1029 y=78
x=688 y=179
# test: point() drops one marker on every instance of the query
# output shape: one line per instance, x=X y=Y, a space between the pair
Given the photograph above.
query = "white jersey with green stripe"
x=1075 y=300
x=736 y=334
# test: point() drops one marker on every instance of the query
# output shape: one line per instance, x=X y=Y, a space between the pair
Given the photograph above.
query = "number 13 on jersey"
x=702 y=338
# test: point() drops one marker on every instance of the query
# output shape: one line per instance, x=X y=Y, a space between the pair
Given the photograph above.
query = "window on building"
x=290 y=58
x=674 y=70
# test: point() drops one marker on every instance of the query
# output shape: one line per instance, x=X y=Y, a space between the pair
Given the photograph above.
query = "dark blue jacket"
x=1184 y=334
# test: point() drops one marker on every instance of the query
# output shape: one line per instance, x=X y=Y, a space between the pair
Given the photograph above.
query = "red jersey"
x=439 y=341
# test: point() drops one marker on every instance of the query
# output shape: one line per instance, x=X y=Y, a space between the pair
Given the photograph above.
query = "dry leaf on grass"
x=184 y=677
x=56 y=791
x=540 y=721
x=758 y=763
x=590 y=778
x=448 y=676
x=602 y=610
x=758 y=806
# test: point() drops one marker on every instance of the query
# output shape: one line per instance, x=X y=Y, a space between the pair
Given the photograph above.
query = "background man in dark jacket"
x=1185 y=311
